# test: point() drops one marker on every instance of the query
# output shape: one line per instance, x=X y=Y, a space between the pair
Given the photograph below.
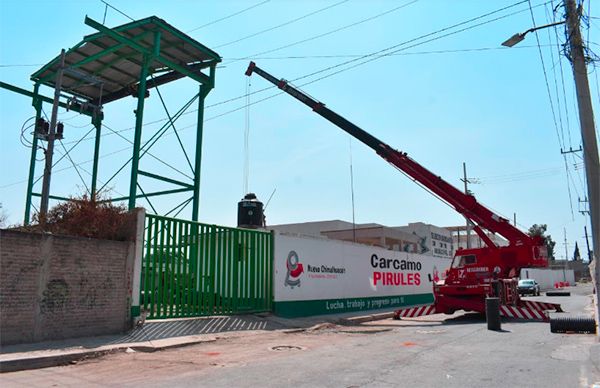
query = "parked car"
x=528 y=286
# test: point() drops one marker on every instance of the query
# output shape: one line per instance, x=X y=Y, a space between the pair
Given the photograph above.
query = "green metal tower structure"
x=114 y=63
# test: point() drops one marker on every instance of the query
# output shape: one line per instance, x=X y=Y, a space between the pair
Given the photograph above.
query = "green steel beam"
x=104 y=66
x=203 y=92
x=188 y=39
x=154 y=194
x=54 y=60
x=161 y=24
x=54 y=197
x=37 y=104
x=199 y=77
x=139 y=118
x=97 y=122
x=106 y=50
x=128 y=26
x=162 y=178
x=16 y=89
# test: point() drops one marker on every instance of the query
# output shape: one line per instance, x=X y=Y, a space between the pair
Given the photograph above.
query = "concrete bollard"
x=492 y=313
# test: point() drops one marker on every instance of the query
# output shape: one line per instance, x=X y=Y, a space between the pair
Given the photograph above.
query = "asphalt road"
x=434 y=351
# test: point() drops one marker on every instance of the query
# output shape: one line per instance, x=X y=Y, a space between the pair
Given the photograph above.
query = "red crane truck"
x=474 y=274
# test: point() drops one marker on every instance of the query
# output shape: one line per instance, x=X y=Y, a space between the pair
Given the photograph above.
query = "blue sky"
x=459 y=98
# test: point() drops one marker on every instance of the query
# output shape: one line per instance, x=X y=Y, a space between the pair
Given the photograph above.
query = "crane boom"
x=464 y=204
x=474 y=274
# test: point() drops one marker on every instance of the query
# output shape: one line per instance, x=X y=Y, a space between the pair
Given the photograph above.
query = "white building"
x=433 y=240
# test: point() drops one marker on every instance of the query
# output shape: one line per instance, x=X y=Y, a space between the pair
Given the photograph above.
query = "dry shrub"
x=87 y=217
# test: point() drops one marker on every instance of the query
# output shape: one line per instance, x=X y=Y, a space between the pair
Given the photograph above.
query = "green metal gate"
x=193 y=269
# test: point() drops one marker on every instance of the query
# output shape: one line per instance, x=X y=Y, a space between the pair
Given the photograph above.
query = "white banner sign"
x=336 y=276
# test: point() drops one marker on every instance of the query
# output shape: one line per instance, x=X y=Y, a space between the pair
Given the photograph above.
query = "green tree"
x=540 y=230
x=576 y=255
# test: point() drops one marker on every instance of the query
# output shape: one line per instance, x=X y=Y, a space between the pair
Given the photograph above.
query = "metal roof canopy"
x=106 y=66
x=118 y=62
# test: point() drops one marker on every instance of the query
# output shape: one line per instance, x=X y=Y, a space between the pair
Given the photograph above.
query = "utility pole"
x=566 y=255
x=587 y=242
x=50 y=147
x=588 y=134
x=465 y=180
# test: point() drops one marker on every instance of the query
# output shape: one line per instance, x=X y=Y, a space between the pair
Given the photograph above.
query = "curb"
x=72 y=357
x=20 y=364
x=27 y=361
x=366 y=318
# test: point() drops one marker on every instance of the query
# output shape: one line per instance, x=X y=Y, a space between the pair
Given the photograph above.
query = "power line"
x=371 y=57
x=118 y=10
x=335 y=56
x=22 y=65
x=282 y=24
x=545 y=75
x=228 y=16
x=254 y=56
x=374 y=56
x=448 y=51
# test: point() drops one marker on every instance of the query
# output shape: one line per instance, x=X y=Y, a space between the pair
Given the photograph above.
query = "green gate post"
x=37 y=104
x=139 y=118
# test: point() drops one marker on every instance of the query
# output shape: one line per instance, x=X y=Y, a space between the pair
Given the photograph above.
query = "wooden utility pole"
x=50 y=146
x=588 y=132
x=587 y=242
x=465 y=180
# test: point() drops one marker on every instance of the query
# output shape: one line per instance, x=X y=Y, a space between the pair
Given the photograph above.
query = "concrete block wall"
x=57 y=287
x=547 y=277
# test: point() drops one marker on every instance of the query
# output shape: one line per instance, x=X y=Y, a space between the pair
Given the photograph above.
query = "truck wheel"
x=573 y=324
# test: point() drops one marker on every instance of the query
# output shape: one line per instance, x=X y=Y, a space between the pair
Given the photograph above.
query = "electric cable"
x=372 y=56
x=74 y=166
x=228 y=16
x=318 y=36
x=282 y=24
x=118 y=10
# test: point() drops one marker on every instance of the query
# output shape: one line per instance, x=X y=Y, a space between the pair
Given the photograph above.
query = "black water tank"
x=250 y=212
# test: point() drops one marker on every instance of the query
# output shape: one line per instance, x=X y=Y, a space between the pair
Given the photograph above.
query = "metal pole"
x=587 y=242
x=139 y=118
x=465 y=180
x=37 y=104
x=588 y=134
x=50 y=149
x=203 y=92
x=97 y=122
x=566 y=255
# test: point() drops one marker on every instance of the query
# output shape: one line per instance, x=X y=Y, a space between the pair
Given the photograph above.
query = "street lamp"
x=516 y=38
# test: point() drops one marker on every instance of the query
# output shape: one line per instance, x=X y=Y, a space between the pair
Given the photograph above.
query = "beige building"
x=415 y=238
